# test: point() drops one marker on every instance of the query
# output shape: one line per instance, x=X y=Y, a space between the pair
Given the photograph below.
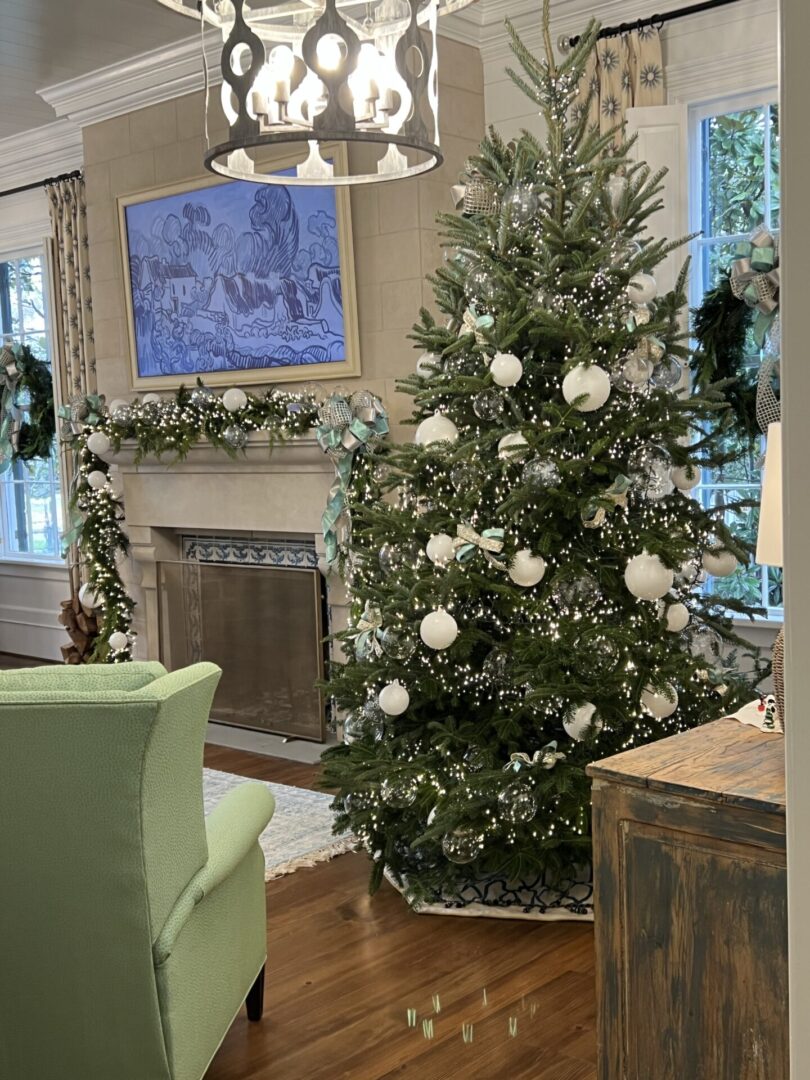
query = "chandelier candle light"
x=335 y=71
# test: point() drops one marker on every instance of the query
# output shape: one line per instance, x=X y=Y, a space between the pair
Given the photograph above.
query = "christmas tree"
x=527 y=577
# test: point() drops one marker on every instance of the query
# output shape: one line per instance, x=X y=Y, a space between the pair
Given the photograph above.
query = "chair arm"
x=233 y=827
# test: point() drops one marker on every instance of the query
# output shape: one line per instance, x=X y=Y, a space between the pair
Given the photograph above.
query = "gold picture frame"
x=196 y=341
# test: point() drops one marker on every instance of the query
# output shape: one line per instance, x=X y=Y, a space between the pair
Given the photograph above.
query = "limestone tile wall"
x=395 y=237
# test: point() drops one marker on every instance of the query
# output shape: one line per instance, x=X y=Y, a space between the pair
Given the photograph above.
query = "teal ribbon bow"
x=468 y=541
x=755 y=279
x=473 y=323
x=369 y=627
x=546 y=758
x=346 y=427
x=595 y=512
x=83 y=410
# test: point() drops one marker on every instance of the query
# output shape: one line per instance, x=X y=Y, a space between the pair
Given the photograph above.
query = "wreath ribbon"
x=347 y=426
x=547 y=757
x=468 y=541
x=755 y=279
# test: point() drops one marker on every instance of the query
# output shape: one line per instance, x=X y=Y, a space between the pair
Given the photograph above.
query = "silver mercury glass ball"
x=235 y=436
x=488 y=405
x=540 y=473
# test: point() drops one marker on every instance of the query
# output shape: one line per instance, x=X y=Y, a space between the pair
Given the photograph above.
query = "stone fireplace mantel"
x=263 y=491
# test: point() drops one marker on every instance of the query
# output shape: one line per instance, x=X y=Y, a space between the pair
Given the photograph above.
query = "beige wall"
x=395 y=239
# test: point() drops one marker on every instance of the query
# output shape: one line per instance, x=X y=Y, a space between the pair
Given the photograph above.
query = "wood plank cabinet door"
x=693 y=943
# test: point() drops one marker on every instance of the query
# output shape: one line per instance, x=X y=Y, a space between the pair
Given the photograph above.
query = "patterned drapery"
x=622 y=72
x=74 y=307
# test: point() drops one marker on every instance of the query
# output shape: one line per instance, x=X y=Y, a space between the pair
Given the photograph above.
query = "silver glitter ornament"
x=540 y=473
x=488 y=405
x=234 y=436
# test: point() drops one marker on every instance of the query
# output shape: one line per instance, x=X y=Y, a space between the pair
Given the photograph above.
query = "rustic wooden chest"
x=691 y=908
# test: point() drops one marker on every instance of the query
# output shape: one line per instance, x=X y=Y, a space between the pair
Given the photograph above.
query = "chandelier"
x=306 y=73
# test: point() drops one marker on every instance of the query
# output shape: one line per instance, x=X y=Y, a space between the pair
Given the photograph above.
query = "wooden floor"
x=343 y=969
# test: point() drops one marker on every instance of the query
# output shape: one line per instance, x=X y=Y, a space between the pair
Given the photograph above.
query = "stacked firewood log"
x=82 y=629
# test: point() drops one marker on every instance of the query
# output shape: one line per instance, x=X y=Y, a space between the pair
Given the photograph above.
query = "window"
x=735 y=188
x=30 y=500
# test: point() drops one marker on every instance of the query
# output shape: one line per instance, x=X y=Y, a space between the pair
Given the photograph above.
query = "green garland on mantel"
x=161 y=426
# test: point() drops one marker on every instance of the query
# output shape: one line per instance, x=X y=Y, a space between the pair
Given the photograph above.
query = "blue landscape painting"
x=235 y=276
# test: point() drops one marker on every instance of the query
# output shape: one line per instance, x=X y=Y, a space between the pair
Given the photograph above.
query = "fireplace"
x=256 y=607
x=224 y=558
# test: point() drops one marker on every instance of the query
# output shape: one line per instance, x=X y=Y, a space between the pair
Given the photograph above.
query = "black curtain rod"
x=651 y=20
x=41 y=183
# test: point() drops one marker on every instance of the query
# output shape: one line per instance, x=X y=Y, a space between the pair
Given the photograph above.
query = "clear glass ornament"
x=637 y=370
x=398 y=644
x=399 y=791
x=650 y=470
x=517 y=802
x=488 y=405
x=597 y=656
x=354 y=727
x=466 y=476
x=704 y=643
x=397 y=557
x=475 y=758
x=122 y=415
x=479 y=284
x=496 y=665
x=574 y=594
x=520 y=203
x=667 y=374
x=540 y=473
x=462 y=846
x=235 y=436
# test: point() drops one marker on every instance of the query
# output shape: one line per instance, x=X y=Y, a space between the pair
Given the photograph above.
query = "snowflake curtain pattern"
x=622 y=72
x=74 y=308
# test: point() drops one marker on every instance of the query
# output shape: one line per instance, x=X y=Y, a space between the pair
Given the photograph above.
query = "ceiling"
x=46 y=41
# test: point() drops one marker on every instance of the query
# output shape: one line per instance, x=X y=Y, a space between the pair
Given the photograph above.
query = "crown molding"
x=173 y=70
x=146 y=79
x=39 y=152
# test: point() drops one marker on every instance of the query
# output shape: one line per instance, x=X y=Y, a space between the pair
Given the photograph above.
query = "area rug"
x=300 y=831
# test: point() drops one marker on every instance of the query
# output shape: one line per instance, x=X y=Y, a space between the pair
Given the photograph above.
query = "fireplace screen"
x=263 y=626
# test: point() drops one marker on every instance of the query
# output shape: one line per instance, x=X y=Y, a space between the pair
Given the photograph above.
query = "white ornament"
x=580 y=720
x=439 y=549
x=685 y=477
x=592 y=383
x=436 y=428
x=659 y=704
x=438 y=629
x=149 y=398
x=719 y=563
x=97 y=479
x=506 y=369
x=116 y=404
x=427 y=364
x=116 y=482
x=647 y=578
x=98 y=443
x=88 y=598
x=677 y=616
x=512 y=446
x=118 y=641
x=394 y=699
x=234 y=399
x=641 y=288
x=527 y=569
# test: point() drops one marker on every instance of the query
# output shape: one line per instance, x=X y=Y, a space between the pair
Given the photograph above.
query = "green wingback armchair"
x=131 y=928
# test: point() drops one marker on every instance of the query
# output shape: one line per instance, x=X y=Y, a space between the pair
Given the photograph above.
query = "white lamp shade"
x=769 y=536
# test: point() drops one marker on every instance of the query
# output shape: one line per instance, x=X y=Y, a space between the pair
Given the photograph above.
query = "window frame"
x=36 y=249
x=762 y=98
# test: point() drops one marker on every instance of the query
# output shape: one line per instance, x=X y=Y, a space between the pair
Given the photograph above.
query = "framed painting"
x=239 y=283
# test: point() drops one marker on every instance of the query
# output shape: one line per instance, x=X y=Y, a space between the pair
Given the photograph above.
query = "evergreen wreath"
x=27 y=417
x=721 y=327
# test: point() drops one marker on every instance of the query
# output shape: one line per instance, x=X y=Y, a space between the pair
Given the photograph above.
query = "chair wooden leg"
x=255 y=998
